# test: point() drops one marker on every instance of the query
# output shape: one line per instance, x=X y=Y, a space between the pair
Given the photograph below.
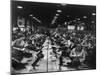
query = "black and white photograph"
x=52 y=37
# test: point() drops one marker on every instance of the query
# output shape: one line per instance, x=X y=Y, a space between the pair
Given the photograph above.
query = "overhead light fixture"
x=59 y=11
x=57 y=14
x=31 y=15
x=84 y=16
x=65 y=23
x=93 y=14
x=19 y=7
